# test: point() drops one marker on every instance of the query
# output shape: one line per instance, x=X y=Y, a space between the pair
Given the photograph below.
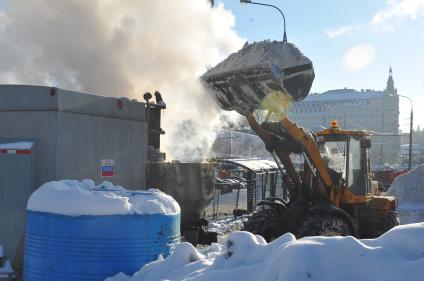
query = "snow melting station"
x=79 y=231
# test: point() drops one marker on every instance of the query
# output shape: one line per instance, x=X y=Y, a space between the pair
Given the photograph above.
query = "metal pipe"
x=275 y=7
x=411 y=125
x=410 y=140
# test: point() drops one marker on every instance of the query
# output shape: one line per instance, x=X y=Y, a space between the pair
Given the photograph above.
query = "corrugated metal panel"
x=40 y=98
x=23 y=97
x=17 y=182
x=84 y=140
x=82 y=103
x=77 y=135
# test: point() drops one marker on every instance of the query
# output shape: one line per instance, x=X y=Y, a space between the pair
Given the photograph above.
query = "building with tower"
x=372 y=110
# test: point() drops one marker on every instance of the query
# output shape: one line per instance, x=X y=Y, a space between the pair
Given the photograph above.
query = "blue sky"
x=351 y=43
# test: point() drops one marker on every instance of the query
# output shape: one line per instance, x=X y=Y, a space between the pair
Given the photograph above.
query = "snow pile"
x=76 y=198
x=227 y=225
x=6 y=269
x=409 y=191
x=17 y=145
x=396 y=255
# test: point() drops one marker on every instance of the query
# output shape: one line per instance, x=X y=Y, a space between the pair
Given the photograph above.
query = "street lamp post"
x=411 y=124
x=269 y=5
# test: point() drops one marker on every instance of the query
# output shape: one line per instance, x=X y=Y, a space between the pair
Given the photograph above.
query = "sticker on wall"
x=107 y=168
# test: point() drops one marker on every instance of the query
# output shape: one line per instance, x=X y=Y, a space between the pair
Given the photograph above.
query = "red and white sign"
x=15 y=151
x=107 y=168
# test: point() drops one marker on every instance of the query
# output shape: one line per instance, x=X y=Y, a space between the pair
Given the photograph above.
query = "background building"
x=372 y=110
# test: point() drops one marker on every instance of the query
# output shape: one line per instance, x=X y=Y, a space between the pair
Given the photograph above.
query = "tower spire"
x=390 y=88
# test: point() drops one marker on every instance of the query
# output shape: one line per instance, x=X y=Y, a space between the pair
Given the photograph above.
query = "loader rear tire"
x=261 y=223
x=323 y=225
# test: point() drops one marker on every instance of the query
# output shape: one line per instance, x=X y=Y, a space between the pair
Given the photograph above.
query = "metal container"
x=18 y=176
x=77 y=132
x=60 y=247
x=190 y=184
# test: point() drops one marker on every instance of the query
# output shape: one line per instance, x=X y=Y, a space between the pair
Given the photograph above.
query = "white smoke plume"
x=124 y=48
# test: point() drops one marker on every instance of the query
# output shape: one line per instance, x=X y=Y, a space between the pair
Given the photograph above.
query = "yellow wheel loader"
x=333 y=194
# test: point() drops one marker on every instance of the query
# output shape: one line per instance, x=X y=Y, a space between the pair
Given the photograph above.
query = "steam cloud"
x=124 y=48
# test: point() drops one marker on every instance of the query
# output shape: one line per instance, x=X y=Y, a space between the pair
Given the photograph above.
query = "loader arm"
x=304 y=138
x=295 y=183
x=264 y=75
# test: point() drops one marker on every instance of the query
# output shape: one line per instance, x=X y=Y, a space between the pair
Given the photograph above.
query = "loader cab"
x=347 y=156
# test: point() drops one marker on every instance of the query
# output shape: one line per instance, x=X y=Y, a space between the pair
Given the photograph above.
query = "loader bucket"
x=245 y=78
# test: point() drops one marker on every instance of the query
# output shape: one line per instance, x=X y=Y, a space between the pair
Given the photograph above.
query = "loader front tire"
x=323 y=225
x=261 y=223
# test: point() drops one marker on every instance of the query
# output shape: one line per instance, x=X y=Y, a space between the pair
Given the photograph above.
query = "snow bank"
x=227 y=225
x=396 y=255
x=409 y=191
x=6 y=269
x=17 y=145
x=76 y=198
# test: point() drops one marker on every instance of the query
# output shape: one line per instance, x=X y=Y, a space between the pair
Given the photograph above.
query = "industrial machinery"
x=333 y=194
x=386 y=175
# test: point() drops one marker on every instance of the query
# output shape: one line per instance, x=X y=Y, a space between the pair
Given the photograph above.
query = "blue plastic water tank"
x=61 y=248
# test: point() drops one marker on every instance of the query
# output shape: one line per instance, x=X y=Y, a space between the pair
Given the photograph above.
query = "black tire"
x=261 y=223
x=323 y=225
x=391 y=221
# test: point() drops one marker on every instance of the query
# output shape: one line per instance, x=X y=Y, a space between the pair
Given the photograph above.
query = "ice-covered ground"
x=409 y=191
x=396 y=255
x=76 y=198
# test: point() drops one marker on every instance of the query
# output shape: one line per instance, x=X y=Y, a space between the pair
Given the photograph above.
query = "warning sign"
x=107 y=168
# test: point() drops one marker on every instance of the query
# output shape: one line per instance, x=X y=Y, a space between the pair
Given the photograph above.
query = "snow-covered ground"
x=396 y=255
x=76 y=198
x=409 y=191
x=227 y=225
x=5 y=267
